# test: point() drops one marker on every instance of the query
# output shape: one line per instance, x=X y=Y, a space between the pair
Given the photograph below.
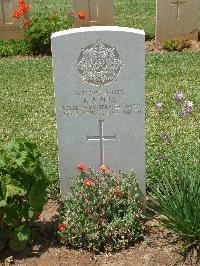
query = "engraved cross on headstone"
x=177 y=3
x=101 y=138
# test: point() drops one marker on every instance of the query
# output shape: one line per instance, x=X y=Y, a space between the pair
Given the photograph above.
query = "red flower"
x=61 y=227
x=117 y=190
x=88 y=182
x=103 y=167
x=26 y=22
x=81 y=15
x=24 y=8
x=81 y=167
x=21 y=2
x=17 y=14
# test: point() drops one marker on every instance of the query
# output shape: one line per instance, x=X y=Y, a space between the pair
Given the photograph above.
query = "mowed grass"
x=27 y=101
x=27 y=106
x=139 y=14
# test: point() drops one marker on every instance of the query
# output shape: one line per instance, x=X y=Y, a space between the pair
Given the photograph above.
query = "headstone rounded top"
x=98 y=29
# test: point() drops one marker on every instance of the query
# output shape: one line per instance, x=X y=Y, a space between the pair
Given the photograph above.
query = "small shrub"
x=169 y=45
x=22 y=192
x=102 y=213
x=38 y=34
x=176 y=45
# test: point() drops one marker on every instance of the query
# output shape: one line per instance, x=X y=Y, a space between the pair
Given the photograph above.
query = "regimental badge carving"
x=99 y=64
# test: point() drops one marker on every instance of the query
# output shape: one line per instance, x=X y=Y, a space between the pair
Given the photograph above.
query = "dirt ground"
x=153 y=47
x=159 y=248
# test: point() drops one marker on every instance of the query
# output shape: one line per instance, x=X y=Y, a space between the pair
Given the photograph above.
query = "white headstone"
x=98 y=12
x=99 y=89
x=177 y=19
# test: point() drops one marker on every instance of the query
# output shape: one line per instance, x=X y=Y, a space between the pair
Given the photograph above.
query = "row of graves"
x=99 y=82
x=174 y=18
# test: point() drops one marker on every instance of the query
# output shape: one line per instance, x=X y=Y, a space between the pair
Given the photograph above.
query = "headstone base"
x=11 y=33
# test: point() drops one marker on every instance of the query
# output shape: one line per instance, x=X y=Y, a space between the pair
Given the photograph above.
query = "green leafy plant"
x=13 y=48
x=176 y=44
x=177 y=193
x=103 y=212
x=38 y=33
x=22 y=192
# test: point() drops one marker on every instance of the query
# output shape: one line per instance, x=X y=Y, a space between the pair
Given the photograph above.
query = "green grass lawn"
x=27 y=101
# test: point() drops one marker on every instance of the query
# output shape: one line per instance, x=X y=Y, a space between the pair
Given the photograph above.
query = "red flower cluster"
x=23 y=8
x=26 y=22
x=21 y=2
x=81 y=15
x=103 y=167
x=117 y=190
x=61 y=227
x=88 y=182
x=17 y=14
x=81 y=167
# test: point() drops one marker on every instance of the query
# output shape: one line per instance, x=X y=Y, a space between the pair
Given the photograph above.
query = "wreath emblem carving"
x=99 y=64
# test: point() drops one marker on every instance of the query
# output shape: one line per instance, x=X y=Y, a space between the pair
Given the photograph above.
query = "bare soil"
x=159 y=248
x=156 y=47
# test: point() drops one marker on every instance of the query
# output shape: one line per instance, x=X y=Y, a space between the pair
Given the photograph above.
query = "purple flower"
x=159 y=106
x=164 y=136
x=179 y=96
x=188 y=104
x=186 y=108
x=184 y=113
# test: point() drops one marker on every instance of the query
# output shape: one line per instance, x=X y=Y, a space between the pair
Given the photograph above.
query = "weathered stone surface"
x=99 y=89
x=177 y=19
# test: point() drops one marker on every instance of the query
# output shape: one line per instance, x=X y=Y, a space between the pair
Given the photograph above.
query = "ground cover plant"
x=103 y=212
